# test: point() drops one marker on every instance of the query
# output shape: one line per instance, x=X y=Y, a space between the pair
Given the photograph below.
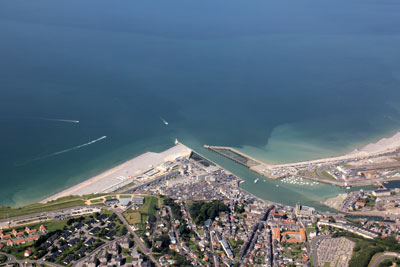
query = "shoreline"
x=382 y=147
x=140 y=166
x=134 y=166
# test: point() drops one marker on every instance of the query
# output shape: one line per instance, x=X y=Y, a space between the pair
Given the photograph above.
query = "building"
x=138 y=200
x=381 y=192
x=111 y=202
x=124 y=202
x=27 y=253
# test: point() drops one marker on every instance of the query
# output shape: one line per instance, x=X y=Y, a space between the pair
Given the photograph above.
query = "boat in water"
x=256 y=180
x=241 y=182
x=164 y=121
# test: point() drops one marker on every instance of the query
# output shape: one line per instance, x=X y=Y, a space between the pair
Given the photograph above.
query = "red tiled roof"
x=6 y=236
x=19 y=241
x=36 y=237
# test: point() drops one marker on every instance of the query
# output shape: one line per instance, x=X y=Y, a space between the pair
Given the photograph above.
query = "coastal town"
x=185 y=210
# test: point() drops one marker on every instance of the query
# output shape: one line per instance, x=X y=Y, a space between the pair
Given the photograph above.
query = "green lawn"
x=149 y=207
x=327 y=175
x=61 y=203
x=96 y=201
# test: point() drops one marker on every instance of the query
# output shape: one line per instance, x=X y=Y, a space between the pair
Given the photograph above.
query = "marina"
x=298 y=181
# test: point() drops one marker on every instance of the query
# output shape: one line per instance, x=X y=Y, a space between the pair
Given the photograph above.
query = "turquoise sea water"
x=282 y=80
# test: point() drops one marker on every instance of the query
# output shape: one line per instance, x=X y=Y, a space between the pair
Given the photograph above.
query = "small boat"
x=241 y=182
x=348 y=187
x=277 y=185
x=256 y=180
x=164 y=121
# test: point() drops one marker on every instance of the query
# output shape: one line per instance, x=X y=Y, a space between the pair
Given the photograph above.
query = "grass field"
x=327 y=175
x=150 y=206
x=96 y=201
x=67 y=202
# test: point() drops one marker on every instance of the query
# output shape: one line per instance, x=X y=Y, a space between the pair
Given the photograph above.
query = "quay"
x=234 y=155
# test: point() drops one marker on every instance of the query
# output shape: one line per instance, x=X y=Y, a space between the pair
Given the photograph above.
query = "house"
x=82 y=252
x=45 y=246
x=114 y=248
x=42 y=228
x=63 y=248
x=65 y=235
x=68 y=259
x=94 y=231
x=27 y=253
x=73 y=242
x=16 y=234
x=54 y=256
x=110 y=226
x=8 y=236
x=116 y=260
x=104 y=256
x=32 y=238
x=111 y=202
x=89 y=242
x=92 y=262
x=110 y=235
x=111 y=218
x=19 y=241
x=101 y=217
x=137 y=259
x=30 y=231
x=52 y=239
x=90 y=222
x=126 y=243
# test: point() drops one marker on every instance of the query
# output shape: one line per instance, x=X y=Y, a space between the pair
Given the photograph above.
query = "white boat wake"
x=51 y=119
x=60 y=152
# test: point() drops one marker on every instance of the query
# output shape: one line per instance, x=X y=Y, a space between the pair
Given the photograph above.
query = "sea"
x=87 y=85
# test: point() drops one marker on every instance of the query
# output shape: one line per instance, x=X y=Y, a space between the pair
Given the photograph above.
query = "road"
x=12 y=259
x=386 y=255
x=82 y=260
x=315 y=242
x=178 y=239
x=138 y=241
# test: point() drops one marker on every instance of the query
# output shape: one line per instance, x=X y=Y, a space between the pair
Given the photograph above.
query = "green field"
x=96 y=201
x=150 y=207
x=61 y=203
x=327 y=175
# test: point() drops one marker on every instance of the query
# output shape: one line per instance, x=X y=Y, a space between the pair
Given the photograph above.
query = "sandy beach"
x=384 y=145
x=122 y=174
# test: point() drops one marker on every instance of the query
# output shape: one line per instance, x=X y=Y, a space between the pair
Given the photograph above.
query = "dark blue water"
x=393 y=184
x=283 y=80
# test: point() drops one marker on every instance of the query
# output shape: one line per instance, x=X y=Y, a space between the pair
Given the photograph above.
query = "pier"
x=234 y=155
